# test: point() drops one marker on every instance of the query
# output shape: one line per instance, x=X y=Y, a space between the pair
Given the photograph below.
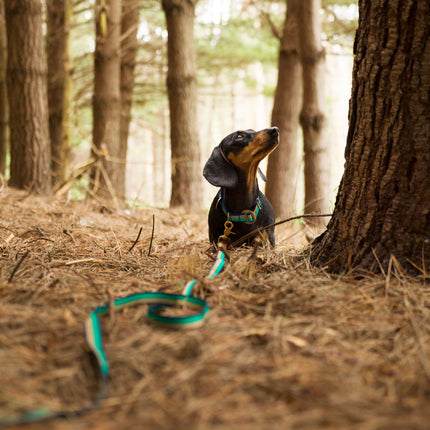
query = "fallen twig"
x=17 y=266
x=152 y=234
x=137 y=239
x=260 y=229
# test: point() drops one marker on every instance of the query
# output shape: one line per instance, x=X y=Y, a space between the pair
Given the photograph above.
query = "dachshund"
x=240 y=207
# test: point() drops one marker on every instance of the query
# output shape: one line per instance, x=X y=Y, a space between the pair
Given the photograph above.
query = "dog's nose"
x=274 y=131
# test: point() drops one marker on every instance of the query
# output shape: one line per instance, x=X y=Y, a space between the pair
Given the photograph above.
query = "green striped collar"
x=247 y=216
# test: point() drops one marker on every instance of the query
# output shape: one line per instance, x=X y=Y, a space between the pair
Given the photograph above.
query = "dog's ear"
x=262 y=175
x=219 y=171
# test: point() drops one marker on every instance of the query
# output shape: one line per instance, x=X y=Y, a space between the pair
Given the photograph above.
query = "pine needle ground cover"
x=285 y=345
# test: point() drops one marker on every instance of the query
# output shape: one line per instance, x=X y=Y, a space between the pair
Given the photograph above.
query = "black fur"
x=233 y=166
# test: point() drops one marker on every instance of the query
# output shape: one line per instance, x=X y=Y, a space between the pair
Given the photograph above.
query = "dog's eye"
x=240 y=136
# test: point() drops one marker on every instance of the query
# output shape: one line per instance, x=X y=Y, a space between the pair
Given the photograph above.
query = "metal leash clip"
x=228 y=227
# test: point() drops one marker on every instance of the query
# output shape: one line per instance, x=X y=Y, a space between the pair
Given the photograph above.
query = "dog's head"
x=239 y=154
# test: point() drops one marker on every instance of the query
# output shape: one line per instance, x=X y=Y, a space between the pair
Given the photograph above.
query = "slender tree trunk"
x=59 y=85
x=182 y=90
x=383 y=204
x=129 y=27
x=4 y=120
x=312 y=117
x=284 y=163
x=28 y=101
x=106 y=99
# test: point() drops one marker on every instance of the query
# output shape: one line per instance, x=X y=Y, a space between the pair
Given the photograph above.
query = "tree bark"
x=4 y=120
x=383 y=204
x=59 y=85
x=27 y=93
x=129 y=27
x=182 y=90
x=284 y=163
x=106 y=100
x=312 y=117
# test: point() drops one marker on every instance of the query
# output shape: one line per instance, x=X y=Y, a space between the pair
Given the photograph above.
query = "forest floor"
x=286 y=346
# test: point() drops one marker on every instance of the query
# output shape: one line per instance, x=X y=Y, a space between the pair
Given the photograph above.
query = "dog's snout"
x=273 y=131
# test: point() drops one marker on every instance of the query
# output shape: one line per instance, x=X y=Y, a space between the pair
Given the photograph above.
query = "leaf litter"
x=285 y=346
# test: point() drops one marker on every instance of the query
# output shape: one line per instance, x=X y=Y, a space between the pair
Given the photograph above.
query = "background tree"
x=312 y=117
x=284 y=164
x=236 y=78
x=27 y=94
x=182 y=91
x=129 y=46
x=383 y=204
x=106 y=99
x=3 y=92
x=59 y=84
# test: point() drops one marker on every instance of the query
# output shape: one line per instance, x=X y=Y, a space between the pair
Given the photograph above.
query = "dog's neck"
x=240 y=197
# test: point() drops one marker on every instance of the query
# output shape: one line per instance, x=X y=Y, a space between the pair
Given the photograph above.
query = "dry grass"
x=286 y=346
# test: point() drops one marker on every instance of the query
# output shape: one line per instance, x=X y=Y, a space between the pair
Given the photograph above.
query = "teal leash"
x=157 y=301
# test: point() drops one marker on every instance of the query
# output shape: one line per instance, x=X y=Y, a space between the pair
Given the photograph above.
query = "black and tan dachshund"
x=233 y=166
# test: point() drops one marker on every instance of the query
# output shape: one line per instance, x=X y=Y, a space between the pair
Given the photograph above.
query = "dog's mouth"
x=265 y=142
x=261 y=153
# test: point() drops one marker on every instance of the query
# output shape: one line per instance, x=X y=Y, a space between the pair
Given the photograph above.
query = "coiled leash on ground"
x=157 y=301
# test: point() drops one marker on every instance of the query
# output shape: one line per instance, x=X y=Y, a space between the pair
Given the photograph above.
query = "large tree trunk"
x=129 y=27
x=284 y=163
x=312 y=117
x=106 y=99
x=59 y=84
x=383 y=204
x=182 y=89
x=28 y=101
x=4 y=121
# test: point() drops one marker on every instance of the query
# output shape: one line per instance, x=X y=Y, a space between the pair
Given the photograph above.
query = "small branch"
x=73 y=262
x=17 y=266
x=137 y=239
x=152 y=234
x=108 y=183
x=75 y=175
x=260 y=229
x=273 y=28
x=70 y=235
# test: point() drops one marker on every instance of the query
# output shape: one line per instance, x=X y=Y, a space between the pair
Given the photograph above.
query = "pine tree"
x=382 y=212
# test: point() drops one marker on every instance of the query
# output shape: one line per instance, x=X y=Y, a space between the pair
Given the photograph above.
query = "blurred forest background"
x=237 y=46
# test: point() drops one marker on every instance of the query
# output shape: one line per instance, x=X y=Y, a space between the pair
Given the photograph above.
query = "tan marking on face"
x=249 y=158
